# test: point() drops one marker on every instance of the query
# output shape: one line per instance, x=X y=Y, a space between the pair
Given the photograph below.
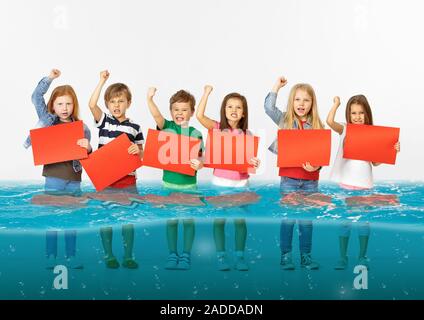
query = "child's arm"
x=85 y=144
x=204 y=120
x=196 y=164
x=154 y=110
x=94 y=108
x=332 y=114
x=270 y=109
x=37 y=97
x=136 y=149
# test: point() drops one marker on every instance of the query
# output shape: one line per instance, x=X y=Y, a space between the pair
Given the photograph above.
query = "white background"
x=339 y=47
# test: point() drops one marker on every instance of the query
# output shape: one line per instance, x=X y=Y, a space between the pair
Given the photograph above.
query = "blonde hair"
x=61 y=91
x=288 y=121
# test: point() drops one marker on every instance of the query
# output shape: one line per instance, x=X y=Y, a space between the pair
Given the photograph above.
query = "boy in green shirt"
x=182 y=109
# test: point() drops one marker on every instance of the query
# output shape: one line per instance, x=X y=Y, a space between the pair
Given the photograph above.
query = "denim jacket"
x=278 y=117
x=46 y=119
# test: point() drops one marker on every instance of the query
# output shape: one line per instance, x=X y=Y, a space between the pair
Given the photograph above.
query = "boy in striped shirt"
x=118 y=100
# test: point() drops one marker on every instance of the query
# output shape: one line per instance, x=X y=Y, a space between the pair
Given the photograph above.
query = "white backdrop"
x=340 y=47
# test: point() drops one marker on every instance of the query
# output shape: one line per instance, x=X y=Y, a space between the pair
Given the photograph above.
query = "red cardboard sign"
x=58 y=143
x=296 y=147
x=225 y=150
x=170 y=151
x=111 y=162
x=371 y=143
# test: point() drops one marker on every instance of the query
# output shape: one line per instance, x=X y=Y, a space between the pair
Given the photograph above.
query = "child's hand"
x=133 y=149
x=397 y=146
x=151 y=92
x=196 y=164
x=104 y=75
x=336 y=102
x=255 y=162
x=307 y=166
x=84 y=143
x=281 y=82
x=55 y=73
x=208 y=89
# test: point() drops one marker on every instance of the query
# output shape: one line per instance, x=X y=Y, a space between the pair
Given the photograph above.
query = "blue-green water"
x=395 y=252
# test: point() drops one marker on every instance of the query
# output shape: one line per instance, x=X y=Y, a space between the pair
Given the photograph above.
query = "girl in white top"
x=352 y=174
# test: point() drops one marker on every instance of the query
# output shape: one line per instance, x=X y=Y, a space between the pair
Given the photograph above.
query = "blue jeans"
x=288 y=185
x=59 y=186
x=70 y=243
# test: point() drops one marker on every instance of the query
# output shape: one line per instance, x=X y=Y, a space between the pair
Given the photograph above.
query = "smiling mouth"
x=300 y=110
x=234 y=115
x=179 y=118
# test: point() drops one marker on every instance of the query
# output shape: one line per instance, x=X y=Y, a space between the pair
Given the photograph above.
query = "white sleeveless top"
x=355 y=173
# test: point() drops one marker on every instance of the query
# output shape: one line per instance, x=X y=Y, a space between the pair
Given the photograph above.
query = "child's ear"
x=129 y=103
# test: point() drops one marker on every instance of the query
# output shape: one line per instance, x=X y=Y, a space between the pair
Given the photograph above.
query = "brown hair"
x=61 y=91
x=183 y=96
x=243 y=123
x=117 y=89
x=361 y=100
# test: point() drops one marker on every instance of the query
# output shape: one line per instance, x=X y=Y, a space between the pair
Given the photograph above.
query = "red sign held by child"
x=170 y=151
x=225 y=150
x=58 y=143
x=296 y=147
x=371 y=143
x=111 y=162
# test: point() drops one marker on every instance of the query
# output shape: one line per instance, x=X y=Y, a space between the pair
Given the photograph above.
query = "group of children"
x=301 y=114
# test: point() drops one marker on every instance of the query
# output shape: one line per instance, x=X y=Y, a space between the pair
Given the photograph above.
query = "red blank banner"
x=111 y=162
x=170 y=151
x=58 y=143
x=371 y=143
x=296 y=147
x=225 y=150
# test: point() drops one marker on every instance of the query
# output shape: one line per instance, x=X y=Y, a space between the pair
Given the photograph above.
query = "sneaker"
x=307 y=262
x=184 y=262
x=241 y=264
x=364 y=261
x=172 y=261
x=287 y=261
x=222 y=263
x=341 y=264
x=111 y=262
x=51 y=262
x=129 y=263
x=74 y=263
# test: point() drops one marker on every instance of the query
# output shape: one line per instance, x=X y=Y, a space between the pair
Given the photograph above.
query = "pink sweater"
x=230 y=174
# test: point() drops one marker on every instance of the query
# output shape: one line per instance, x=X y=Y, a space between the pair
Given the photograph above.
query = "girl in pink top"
x=234 y=117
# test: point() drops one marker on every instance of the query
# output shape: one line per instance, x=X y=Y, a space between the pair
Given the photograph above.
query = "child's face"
x=357 y=114
x=63 y=107
x=118 y=105
x=234 y=110
x=181 y=112
x=302 y=104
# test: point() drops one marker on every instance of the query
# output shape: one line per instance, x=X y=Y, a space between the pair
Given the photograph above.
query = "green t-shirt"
x=175 y=177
